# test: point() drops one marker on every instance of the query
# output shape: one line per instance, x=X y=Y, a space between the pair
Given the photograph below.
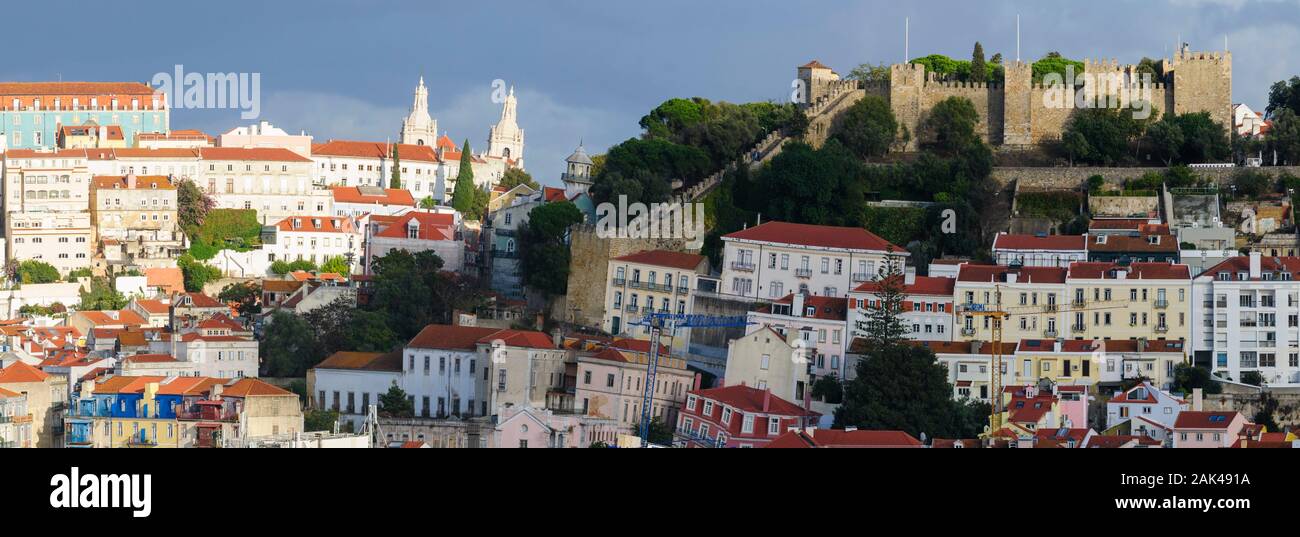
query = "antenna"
x=906 y=39
x=1017 y=37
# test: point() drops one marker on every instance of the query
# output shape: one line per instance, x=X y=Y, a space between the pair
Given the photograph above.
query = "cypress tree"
x=978 y=72
x=396 y=180
x=462 y=198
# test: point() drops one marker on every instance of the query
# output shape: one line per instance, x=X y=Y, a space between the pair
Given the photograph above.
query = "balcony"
x=861 y=277
x=1079 y=302
x=631 y=307
x=742 y=266
x=1049 y=334
x=635 y=284
x=682 y=289
x=620 y=282
x=647 y=309
x=1221 y=304
x=1050 y=308
x=1161 y=303
x=1078 y=327
x=967 y=331
x=1160 y=328
x=208 y=414
x=803 y=272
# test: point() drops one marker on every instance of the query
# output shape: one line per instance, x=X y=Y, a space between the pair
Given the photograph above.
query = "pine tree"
x=978 y=72
x=396 y=180
x=395 y=403
x=884 y=323
x=462 y=198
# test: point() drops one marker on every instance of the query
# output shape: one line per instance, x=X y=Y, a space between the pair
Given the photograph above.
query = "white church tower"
x=577 y=173
x=419 y=128
x=506 y=139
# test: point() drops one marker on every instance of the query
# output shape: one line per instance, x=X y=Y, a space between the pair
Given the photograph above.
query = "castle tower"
x=815 y=76
x=577 y=172
x=906 y=98
x=506 y=139
x=1202 y=82
x=419 y=128
x=1017 y=104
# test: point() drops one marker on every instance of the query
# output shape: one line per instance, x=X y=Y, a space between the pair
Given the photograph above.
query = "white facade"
x=805 y=320
x=774 y=259
x=1151 y=410
x=316 y=239
x=263 y=134
x=444 y=382
x=927 y=310
x=1246 y=317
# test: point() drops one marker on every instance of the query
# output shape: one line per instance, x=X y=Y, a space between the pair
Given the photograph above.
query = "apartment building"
x=738 y=416
x=1129 y=301
x=316 y=239
x=47 y=204
x=816 y=324
x=771 y=260
x=1151 y=243
x=1034 y=294
x=354 y=201
x=1151 y=411
x=356 y=163
x=1208 y=429
x=611 y=383
x=274 y=181
x=927 y=309
x=1246 y=317
x=763 y=358
x=417 y=231
x=32 y=112
x=135 y=220
x=651 y=281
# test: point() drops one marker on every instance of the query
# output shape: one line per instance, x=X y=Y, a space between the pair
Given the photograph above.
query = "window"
x=773 y=425
x=767 y=358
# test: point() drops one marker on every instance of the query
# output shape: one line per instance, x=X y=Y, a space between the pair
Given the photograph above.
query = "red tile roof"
x=825 y=307
x=150 y=358
x=1196 y=419
x=432 y=226
x=997 y=273
x=1134 y=271
x=273 y=154
x=664 y=258
x=142 y=182
x=1267 y=264
x=962 y=347
x=750 y=399
x=363 y=361
x=1125 y=243
x=75 y=88
x=442 y=336
x=812 y=235
x=1005 y=241
x=170 y=280
x=153 y=307
x=836 y=438
x=553 y=194
x=356 y=194
x=251 y=387
x=20 y=372
x=1115 y=441
x=638 y=345
x=201 y=300
x=316 y=224
x=377 y=150
x=924 y=285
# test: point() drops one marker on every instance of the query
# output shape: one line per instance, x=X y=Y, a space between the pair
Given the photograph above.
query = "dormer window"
x=1101 y=239
x=809 y=311
x=413 y=231
x=1153 y=239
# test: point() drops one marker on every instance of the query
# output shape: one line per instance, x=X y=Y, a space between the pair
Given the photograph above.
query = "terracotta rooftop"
x=853 y=238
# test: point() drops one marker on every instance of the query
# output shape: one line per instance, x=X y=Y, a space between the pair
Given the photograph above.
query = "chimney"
x=1011 y=276
x=541 y=322
x=1056 y=344
x=557 y=338
x=130 y=180
x=767 y=399
x=1198 y=399
x=796 y=308
x=103 y=136
x=1254 y=265
x=909 y=276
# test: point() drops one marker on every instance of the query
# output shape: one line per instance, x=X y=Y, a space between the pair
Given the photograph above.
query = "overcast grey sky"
x=590 y=69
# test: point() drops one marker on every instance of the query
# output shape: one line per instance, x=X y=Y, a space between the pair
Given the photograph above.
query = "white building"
x=651 y=281
x=774 y=259
x=263 y=134
x=1040 y=250
x=1246 y=317
x=1247 y=122
x=1151 y=410
x=417 y=231
x=352 y=163
x=927 y=309
x=316 y=239
x=819 y=321
x=47 y=207
x=274 y=181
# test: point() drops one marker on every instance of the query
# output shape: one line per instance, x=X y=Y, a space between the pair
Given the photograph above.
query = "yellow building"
x=1129 y=301
x=1040 y=289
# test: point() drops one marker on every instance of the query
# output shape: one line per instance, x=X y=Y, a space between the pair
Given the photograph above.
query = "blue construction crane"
x=657 y=322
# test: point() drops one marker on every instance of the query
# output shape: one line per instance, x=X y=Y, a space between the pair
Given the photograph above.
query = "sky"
x=588 y=70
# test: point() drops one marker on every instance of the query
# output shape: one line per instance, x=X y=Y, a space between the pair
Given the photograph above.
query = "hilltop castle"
x=1020 y=112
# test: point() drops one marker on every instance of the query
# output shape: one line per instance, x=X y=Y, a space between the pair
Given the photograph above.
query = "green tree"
x=192 y=205
x=869 y=73
x=196 y=274
x=1268 y=405
x=463 y=197
x=101 y=296
x=79 y=273
x=903 y=387
x=978 y=69
x=1252 y=183
x=544 y=248
x=660 y=433
x=515 y=177
x=288 y=346
x=951 y=125
x=867 y=128
x=1253 y=378
x=396 y=403
x=428 y=202
x=1204 y=140
x=395 y=179
x=34 y=271
x=1284 y=95
x=1188 y=377
x=828 y=388
x=1166 y=138
x=337 y=265
x=247 y=294
x=813 y=186
x=319 y=420
x=884 y=321
x=1284 y=137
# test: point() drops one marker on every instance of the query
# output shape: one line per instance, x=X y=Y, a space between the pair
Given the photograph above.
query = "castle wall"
x=589 y=266
x=1062 y=178
x=1203 y=81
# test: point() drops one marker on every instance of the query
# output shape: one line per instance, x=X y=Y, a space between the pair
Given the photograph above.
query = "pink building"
x=738 y=416
x=1072 y=401
x=1208 y=429
x=531 y=428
